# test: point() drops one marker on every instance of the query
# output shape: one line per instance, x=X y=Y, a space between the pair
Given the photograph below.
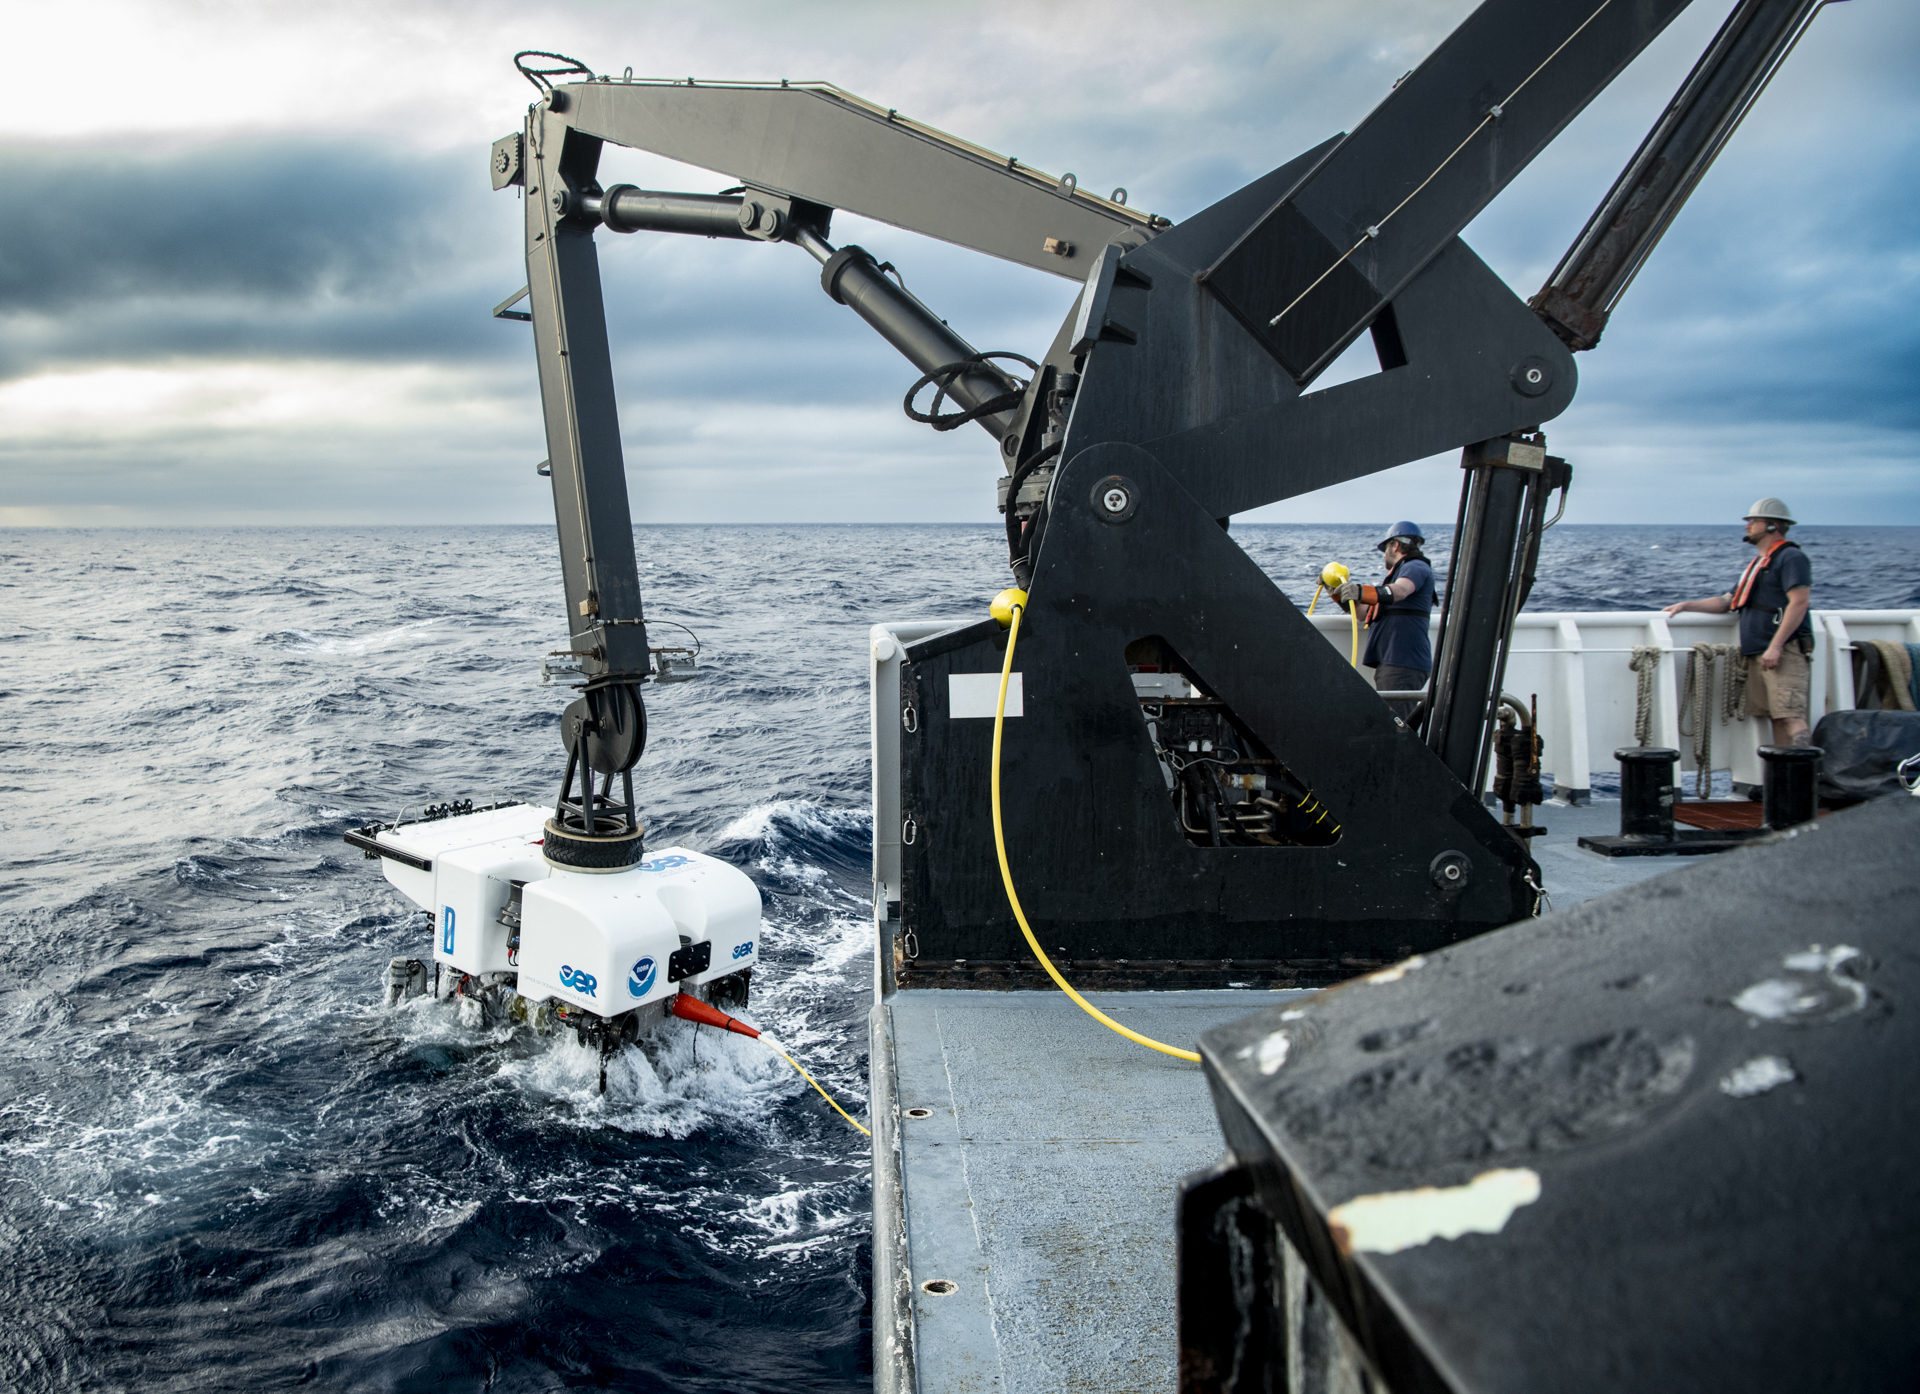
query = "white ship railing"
x=1577 y=664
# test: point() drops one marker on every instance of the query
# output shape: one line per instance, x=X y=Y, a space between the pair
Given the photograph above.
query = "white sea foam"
x=761 y=822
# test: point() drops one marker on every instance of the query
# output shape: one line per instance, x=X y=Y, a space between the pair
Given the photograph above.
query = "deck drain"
x=919 y=1113
x=940 y=1287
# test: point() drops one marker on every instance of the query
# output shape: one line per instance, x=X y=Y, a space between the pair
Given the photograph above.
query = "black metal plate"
x=689 y=959
x=1694 y=1228
x=1099 y=863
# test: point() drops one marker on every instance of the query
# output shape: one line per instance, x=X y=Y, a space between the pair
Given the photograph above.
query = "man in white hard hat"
x=1771 y=598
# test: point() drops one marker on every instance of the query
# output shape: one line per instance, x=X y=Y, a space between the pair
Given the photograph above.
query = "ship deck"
x=1040 y=1182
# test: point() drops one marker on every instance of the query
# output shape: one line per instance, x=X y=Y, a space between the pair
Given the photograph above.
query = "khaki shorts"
x=1781 y=694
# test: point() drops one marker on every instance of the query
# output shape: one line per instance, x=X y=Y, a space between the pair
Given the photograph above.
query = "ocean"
x=226 y=1165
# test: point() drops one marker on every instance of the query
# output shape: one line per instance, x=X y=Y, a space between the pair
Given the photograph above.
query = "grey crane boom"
x=818 y=143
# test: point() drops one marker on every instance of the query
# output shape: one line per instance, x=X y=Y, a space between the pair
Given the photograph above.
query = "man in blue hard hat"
x=1771 y=598
x=1397 y=612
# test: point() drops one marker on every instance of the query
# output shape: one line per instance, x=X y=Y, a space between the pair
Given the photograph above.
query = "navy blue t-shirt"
x=1761 y=615
x=1399 y=637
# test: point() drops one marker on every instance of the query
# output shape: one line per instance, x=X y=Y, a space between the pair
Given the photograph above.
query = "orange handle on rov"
x=690 y=1008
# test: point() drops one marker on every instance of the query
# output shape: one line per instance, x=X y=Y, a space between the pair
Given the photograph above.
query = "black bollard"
x=1646 y=790
x=1789 y=791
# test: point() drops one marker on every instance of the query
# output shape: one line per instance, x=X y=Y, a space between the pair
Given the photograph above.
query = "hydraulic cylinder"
x=851 y=276
x=624 y=208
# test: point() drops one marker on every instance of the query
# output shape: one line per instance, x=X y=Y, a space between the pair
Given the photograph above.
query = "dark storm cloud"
x=303 y=249
x=289 y=247
x=1783 y=292
x=287 y=221
x=1770 y=299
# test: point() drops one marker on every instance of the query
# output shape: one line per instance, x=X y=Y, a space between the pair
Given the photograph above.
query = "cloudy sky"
x=247 y=254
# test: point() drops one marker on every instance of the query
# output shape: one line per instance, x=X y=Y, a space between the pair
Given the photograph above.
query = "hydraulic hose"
x=1016 y=603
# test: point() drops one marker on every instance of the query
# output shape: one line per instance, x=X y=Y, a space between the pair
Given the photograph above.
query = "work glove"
x=1353 y=592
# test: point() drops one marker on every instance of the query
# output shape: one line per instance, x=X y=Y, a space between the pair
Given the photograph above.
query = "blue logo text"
x=742 y=950
x=666 y=863
x=446 y=930
x=640 y=977
x=578 y=979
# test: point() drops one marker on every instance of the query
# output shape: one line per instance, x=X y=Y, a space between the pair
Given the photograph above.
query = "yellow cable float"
x=1007 y=607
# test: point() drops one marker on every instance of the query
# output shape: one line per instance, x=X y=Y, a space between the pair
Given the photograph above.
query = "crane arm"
x=1314 y=271
x=815 y=142
x=1643 y=202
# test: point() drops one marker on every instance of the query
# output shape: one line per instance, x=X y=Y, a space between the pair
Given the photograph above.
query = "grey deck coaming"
x=892 y=1266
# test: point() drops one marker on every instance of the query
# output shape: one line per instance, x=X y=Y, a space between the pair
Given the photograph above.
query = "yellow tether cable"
x=814 y=1082
x=1332 y=577
x=703 y=1013
x=1018 y=607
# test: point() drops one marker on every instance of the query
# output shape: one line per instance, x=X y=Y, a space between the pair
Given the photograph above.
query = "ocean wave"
x=801 y=833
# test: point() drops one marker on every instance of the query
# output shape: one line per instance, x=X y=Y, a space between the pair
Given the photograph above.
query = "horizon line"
x=994 y=525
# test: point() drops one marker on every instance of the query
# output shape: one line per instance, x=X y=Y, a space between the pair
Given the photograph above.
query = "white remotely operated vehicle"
x=518 y=937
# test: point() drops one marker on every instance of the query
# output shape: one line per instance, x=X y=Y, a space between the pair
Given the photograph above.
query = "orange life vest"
x=1749 y=578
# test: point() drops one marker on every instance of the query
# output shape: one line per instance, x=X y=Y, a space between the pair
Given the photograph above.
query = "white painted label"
x=1757 y=1076
x=1395 y=1220
x=978 y=694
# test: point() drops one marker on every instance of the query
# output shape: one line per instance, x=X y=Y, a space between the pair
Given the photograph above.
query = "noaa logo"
x=740 y=951
x=666 y=863
x=446 y=930
x=641 y=976
x=578 y=979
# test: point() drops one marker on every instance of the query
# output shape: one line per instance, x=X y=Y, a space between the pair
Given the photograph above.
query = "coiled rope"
x=1645 y=662
x=538 y=76
x=1697 y=699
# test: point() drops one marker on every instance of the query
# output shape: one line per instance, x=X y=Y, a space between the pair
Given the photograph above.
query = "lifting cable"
x=1015 y=601
x=1494 y=113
